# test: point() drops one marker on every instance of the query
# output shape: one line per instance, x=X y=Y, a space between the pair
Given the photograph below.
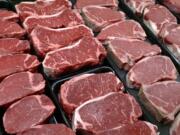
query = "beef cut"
x=124 y=29
x=173 y=5
x=19 y=85
x=126 y=52
x=85 y=87
x=10 y=29
x=48 y=129
x=88 y=51
x=156 y=21
x=103 y=3
x=138 y=128
x=13 y=46
x=27 y=113
x=11 y=64
x=97 y=17
x=7 y=15
x=175 y=128
x=106 y=112
x=150 y=70
x=138 y=6
x=41 y=7
x=46 y=39
x=65 y=18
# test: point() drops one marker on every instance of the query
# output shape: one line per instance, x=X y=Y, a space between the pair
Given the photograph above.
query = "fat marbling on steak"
x=106 y=112
x=162 y=99
x=173 y=5
x=97 y=17
x=87 y=51
x=7 y=15
x=47 y=39
x=27 y=113
x=85 y=87
x=175 y=128
x=19 y=85
x=150 y=70
x=126 y=52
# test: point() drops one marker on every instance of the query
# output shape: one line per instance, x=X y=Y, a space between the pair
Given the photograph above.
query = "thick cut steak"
x=27 y=113
x=106 y=112
x=7 y=15
x=19 y=85
x=46 y=39
x=162 y=99
x=126 y=52
x=88 y=51
x=138 y=128
x=103 y=3
x=41 y=7
x=10 y=29
x=48 y=129
x=156 y=21
x=150 y=70
x=11 y=64
x=13 y=46
x=124 y=29
x=175 y=128
x=64 y=18
x=173 y=5
x=85 y=87
x=138 y=6
x=97 y=17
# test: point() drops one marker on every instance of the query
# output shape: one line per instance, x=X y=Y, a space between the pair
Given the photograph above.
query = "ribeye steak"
x=7 y=15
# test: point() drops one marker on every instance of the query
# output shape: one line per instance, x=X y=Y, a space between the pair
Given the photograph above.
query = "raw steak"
x=103 y=3
x=138 y=6
x=150 y=70
x=173 y=5
x=162 y=99
x=13 y=46
x=11 y=64
x=27 y=113
x=65 y=18
x=126 y=52
x=161 y=17
x=124 y=29
x=175 y=128
x=88 y=51
x=138 y=128
x=85 y=87
x=19 y=85
x=97 y=17
x=11 y=30
x=106 y=112
x=46 y=39
x=41 y=7
x=6 y=15
x=48 y=129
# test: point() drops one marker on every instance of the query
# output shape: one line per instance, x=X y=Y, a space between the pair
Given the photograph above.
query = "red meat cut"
x=13 y=46
x=85 y=87
x=138 y=6
x=126 y=52
x=97 y=17
x=48 y=129
x=124 y=29
x=173 y=5
x=41 y=7
x=150 y=70
x=11 y=64
x=138 y=128
x=175 y=128
x=156 y=21
x=7 y=15
x=19 y=85
x=88 y=51
x=27 y=113
x=46 y=39
x=103 y=3
x=106 y=112
x=162 y=99
x=65 y=18
x=11 y=30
